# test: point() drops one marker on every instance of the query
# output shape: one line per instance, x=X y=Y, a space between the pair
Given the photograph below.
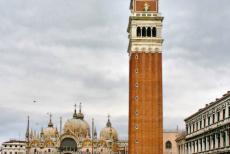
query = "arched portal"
x=68 y=145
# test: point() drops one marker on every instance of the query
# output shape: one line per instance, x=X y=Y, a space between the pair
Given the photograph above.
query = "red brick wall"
x=139 y=5
x=149 y=104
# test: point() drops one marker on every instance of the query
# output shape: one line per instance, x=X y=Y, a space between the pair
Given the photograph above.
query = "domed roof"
x=50 y=131
x=77 y=125
x=109 y=132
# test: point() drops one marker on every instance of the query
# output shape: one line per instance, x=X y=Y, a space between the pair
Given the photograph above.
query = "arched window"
x=144 y=32
x=149 y=32
x=168 y=145
x=138 y=31
x=68 y=144
x=154 y=32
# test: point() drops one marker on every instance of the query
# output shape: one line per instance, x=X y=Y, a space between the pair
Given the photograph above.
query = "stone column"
x=199 y=145
x=195 y=142
x=211 y=142
x=216 y=141
x=189 y=148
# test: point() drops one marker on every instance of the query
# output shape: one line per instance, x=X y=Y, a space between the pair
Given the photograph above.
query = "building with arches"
x=76 y=137
x=207 y=130
x=169 y=142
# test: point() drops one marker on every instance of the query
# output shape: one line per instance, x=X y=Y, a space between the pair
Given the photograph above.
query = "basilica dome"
x=77 y=125
x=109 y=133
x=50 y=131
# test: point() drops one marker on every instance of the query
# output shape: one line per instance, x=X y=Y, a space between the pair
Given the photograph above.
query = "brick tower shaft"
x=145 y=78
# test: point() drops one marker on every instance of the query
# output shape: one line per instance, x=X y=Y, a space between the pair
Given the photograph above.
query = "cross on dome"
x=109 y=124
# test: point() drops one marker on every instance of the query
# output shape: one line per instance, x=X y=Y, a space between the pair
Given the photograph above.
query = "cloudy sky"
x=62 y=52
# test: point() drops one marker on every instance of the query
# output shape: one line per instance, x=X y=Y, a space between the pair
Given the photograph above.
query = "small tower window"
x=136 y=84
x=168 y=145
x=149 y=32
x=138 y=31
x=144 y=32
x=154 y=32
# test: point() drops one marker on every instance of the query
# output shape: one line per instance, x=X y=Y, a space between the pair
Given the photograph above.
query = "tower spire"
x=109 y=124
x=50 y=122
x=80 y=114
x=80 y=105
x=28 y=129
x=60 y=125
x=75 y=111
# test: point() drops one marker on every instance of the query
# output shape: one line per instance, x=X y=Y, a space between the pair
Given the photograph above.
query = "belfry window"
x=144 y=32
x=138 y=31
x=168 y=145
x=148 y=32
x=154 y=32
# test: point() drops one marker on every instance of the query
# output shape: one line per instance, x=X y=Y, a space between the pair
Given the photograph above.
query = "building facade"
x=13 y=147
x=44 y=147
x=208 y=130
x=75 y=138
x=169 y=142
x=145 y=78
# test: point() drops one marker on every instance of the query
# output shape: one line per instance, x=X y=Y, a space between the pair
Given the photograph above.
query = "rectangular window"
x=187 y=129
x=197 y=126
x=229 y=111
x=204 y=122
x=223 y=114
x=205 y=144
x=201 y=145
x=214 y=142
x=224 y=139
x=213 y=118
x=209 y=120
x=218 y=116
x=200 y=124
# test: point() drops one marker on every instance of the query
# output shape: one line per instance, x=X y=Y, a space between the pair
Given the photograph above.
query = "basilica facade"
x=76 y=137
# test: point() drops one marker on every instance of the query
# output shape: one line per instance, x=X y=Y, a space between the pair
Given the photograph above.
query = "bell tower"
x=145 y=78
